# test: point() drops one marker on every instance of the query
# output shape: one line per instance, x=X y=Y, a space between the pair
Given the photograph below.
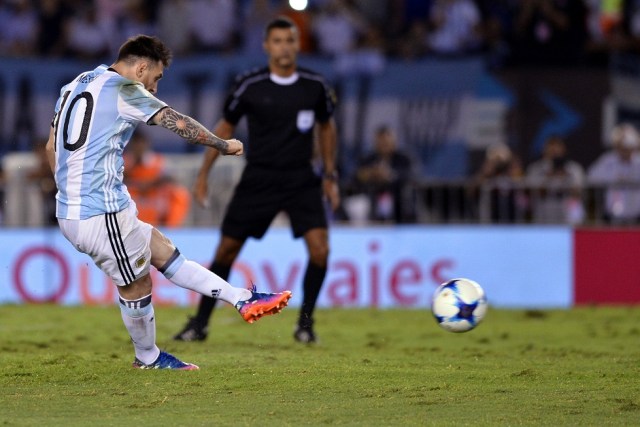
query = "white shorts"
x=118 y=243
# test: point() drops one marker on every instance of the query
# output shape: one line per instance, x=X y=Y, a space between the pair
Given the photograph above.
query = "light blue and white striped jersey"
x=96 y=115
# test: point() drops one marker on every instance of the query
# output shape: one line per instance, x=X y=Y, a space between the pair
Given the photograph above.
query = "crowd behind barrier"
x=460 y=201
x=354 y=40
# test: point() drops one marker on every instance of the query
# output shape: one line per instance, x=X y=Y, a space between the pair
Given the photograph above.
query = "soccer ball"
x=459 y=305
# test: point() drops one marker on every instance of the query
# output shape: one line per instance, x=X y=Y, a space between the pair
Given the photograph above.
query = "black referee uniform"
x=281 y=113
x=284 y=106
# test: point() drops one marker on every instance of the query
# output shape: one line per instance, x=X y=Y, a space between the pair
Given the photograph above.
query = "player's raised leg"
x=188 y=274
x=197 y=327
x=118 y=243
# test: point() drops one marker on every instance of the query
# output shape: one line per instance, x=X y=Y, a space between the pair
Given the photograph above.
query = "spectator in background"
x=173 y=20
x=403 y=18
x=550 y=32
x=631 y=18
x=160 y=199
x=51 y=21
x=138 y=17
x=619 y=171
x=497 y=30
x=256 y=15
x=613 y=25
x=214 y=25
x=385 y=176
x=18 y=28
x=454 y=27
x=412 y=45
x=406 y=29
x=621 y=26
x=496 y=186
x=86 y=37
x=602 y=19
x=337 y=27
x=375 y=12
x=556 y=183
x=109 y=14
x=42 y=178
x=367 y=58
x=606 y=30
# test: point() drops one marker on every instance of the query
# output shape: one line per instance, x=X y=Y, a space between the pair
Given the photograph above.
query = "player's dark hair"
x=142 y=46
x=281 y=22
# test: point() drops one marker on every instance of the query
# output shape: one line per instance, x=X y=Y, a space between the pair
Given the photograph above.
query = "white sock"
x=139 y=319
x=191 y=275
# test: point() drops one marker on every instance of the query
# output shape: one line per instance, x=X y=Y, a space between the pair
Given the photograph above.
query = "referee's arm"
x=224 y=130
x=328 y=141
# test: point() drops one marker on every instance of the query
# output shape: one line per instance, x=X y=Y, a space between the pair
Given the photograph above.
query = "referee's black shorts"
x=262 y=193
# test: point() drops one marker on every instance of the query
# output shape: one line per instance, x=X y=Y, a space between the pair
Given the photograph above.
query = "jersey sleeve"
x=326 y=103
x=58 y=105
x=233 y=109
x=135 y=103
x=56 y=110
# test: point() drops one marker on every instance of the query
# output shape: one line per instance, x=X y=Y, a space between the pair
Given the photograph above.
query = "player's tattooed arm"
x=194 y=132
x=191 y=130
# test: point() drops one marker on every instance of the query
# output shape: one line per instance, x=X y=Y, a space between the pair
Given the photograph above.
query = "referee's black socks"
x=313 y=278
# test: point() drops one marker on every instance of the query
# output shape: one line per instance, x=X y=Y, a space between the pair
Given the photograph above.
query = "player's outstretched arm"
x=195 y=133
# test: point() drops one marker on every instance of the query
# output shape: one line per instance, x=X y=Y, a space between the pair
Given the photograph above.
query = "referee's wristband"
x=330 y=176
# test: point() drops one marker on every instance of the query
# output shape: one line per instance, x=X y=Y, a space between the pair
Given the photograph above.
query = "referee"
x=283 y=104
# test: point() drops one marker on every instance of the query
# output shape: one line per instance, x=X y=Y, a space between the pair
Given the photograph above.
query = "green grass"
x=71 y=366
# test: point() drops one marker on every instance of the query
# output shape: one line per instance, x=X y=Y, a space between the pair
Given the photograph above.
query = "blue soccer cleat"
x=262 y=304
x=166 y=361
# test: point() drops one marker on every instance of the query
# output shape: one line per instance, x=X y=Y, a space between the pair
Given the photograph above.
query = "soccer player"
x=94 y=119
x=283 y=104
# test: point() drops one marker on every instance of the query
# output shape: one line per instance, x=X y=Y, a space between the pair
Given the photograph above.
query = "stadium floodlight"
x=298 y=4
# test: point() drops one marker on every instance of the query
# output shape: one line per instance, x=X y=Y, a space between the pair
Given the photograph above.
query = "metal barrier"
x=22 y=201
x=505 y=201
x=499 y=201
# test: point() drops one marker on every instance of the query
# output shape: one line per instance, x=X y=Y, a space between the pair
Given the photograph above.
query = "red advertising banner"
x=607 y=266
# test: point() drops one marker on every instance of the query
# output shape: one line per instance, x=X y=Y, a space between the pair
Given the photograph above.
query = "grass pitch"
x=71 y=366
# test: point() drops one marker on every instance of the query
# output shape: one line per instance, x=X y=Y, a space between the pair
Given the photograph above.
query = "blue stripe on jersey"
x=102 y=109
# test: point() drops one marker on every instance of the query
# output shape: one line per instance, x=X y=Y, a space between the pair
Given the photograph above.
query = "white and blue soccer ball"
x=459 y=305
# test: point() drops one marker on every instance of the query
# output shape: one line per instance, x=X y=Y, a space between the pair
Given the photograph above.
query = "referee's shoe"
x=304 y=332
x=193 y=331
